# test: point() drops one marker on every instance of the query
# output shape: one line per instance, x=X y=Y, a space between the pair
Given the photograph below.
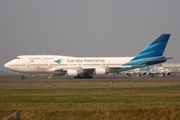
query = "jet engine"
x=99 y=71
x=168 y=73
x=127 y=73
x=144 y=73
x=72 y=73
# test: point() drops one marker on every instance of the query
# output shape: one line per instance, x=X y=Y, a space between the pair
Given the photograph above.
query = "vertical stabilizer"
x=155 y=49
x=149 y=70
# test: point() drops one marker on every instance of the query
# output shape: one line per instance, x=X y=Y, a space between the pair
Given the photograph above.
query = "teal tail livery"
x=86 y=67
x=152 y=54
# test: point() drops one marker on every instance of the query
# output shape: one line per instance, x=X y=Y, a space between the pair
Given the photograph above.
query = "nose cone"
x=6 y=65
x=162 y=71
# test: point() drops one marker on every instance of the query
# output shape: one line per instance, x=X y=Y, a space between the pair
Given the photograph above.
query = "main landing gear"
x=152 y=75
x=22 y=77
x=84 y=77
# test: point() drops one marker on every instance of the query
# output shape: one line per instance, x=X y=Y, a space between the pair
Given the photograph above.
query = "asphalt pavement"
x=98 y=79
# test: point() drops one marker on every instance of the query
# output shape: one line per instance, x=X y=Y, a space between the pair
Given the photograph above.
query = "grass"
x=36 y=76
x=91 y=100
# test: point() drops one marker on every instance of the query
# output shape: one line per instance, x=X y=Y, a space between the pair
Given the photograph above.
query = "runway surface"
x=98 y=79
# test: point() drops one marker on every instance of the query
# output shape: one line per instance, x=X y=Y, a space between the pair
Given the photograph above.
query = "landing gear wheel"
x=84 y=77
x=90 y=77
x=22 y=77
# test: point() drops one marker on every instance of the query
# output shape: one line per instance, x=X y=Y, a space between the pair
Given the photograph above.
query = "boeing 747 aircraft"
x=85 y=67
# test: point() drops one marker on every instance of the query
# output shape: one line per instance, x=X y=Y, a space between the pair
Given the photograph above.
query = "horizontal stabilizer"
x=158 y=60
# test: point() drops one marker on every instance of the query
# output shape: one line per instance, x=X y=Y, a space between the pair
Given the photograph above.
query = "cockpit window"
x=17 y=57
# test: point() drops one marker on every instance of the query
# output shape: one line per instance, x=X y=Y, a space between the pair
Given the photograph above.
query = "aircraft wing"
x=61 y=69
x=107 y=67
x=91 y=70
x=110 y=69
x=54 y=69
x=68 y=68
x=58 y=69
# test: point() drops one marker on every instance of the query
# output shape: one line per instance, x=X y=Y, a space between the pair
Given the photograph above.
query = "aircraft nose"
x=6 y=65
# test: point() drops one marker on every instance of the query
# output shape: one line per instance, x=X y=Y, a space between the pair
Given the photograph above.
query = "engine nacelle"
x=127 y=73
x=72 y=73
x=144 y=73
x=99 y=71
x=168 y=73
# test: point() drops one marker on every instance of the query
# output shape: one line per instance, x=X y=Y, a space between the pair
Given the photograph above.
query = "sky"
x=86 y=28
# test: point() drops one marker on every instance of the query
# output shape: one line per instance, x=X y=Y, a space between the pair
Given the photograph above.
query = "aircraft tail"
x=152 y=54
x=148 y=68
x=155 y=49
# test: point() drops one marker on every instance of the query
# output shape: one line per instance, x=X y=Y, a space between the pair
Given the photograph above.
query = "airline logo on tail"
x=155 y=49
x=58 y=61
x=152 y=54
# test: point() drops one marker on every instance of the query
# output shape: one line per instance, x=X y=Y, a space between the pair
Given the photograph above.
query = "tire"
x=22 y=77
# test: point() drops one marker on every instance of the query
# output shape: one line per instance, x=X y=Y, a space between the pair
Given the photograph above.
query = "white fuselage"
x=45 y=64
x=158 y=70
x=87 y=66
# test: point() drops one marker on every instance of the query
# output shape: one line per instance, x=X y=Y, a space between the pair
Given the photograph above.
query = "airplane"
x=137 y=72
x=86 y=67
x=158 y=70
